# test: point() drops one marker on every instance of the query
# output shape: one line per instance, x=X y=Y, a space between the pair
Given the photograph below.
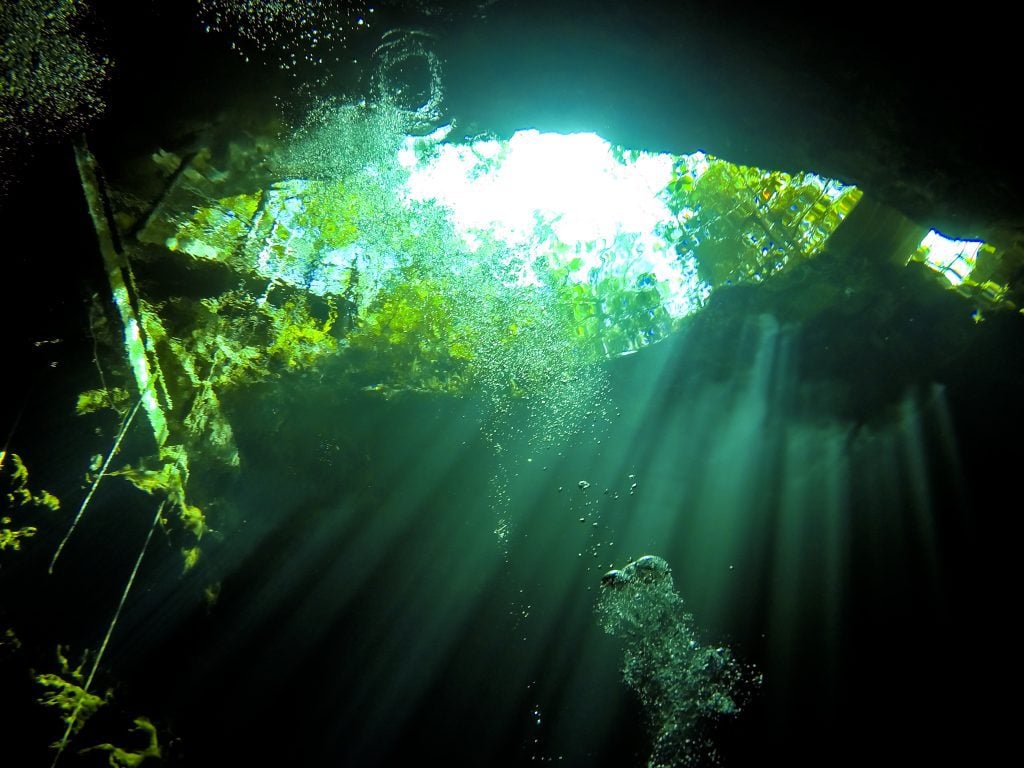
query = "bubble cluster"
x=535 y=377
x=51 y=76
x=524 y=359
x=339 y=141
x=537 y=385
x=684 y=685
x=290 y=31
x=540 y=386
x=407 y=76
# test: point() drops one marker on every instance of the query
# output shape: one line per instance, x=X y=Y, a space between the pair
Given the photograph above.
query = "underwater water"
x=376 y=395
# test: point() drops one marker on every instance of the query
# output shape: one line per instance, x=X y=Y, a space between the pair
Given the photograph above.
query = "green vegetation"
x=974 y=269
x=94 y=400
x=67 y=694
x=301 y=339
x=345 y=267
x=409 y=337
x=170 y=481
x=10 y=538
x=745 y=224
x=615 y=312
x=219 y=230
x=122 y=758
x=17 y=494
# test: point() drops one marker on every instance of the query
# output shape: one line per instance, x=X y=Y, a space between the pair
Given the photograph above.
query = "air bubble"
x=683 y=685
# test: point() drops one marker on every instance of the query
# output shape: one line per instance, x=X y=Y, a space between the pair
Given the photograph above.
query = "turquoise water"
x=429 y=493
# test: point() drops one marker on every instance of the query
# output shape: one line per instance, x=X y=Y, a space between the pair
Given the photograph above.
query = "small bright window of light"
x=954 y=259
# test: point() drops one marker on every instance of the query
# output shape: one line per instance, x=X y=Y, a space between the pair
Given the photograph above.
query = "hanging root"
x=62 y=744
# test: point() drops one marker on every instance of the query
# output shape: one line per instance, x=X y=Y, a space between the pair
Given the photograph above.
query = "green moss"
x=9 y=639
x=47 y=500
x=65 y=693
x=17 y=494
x=190 y=557
x=97 y=399
x=120 y=757
x=164 y=480
x=211 y=594
x=170 y=480
x=193 y=519
x=301 y=340
x=10 y=538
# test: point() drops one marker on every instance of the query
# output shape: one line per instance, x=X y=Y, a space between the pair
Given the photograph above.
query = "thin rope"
x=10 y=434
x=95 y=483
x=110 y=631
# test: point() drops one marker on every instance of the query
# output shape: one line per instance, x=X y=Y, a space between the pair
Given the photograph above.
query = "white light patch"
x=570 y=181
x=954 y=259
x=565 y=198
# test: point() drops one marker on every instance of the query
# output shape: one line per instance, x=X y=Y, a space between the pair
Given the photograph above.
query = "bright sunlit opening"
x=571 y=181
x=565 y=197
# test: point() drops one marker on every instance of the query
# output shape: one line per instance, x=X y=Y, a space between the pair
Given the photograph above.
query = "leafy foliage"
x=381 y=284
x=301 y=339
x=619 y=309
x=744 y=224
x=408 y=334
x=219 y=230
